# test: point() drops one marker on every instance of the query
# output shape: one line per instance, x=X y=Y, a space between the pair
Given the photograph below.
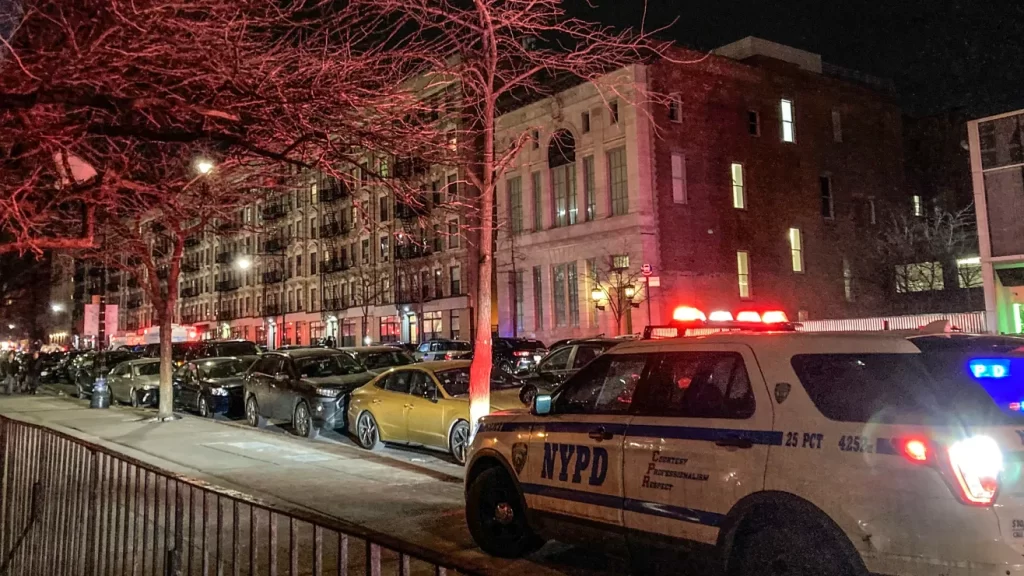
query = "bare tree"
x=493 y=50
x=622 y=289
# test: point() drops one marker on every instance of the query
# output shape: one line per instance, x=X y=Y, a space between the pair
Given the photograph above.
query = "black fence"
x=71 y=507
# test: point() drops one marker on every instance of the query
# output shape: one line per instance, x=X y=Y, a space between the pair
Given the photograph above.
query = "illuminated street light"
x=204 y=166
x=243 y=263
x=630 y=292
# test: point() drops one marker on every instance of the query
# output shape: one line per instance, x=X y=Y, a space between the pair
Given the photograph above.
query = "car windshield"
x=237 y=348
x=224 y=368
x=148 y=369
x=454 y=380
x=384 y=359
x=328 y=365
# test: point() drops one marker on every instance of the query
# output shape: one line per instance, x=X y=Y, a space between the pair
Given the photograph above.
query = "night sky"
x=941 y=54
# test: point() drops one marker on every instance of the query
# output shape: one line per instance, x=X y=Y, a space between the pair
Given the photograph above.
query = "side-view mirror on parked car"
x=541 y=405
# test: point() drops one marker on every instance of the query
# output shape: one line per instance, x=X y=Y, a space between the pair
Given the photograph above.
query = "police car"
x=788 y=452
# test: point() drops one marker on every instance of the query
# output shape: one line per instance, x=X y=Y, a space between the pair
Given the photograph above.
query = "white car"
x=790 y=453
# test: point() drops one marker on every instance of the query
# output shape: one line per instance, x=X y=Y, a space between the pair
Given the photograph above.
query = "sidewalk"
x=419 y=504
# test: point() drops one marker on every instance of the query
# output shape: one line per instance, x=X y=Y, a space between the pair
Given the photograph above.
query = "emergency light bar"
x=687 y=320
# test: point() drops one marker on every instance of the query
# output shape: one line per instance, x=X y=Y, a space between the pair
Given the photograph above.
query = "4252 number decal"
x=855 y=444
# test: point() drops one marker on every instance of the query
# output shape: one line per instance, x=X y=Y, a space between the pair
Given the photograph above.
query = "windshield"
x=326 y=366
x=224 y=369
x=237 y=349
x=455 y=381
x=149 y=369
x=387 y=359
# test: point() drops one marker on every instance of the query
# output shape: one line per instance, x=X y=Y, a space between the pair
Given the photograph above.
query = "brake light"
x=721 y=316
x=976 y=464
x=521 y=353
x=688 y=314
x=774 y=317
x=915 y=450
x=748 y=316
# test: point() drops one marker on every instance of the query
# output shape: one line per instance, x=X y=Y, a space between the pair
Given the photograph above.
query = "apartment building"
x=748 y=186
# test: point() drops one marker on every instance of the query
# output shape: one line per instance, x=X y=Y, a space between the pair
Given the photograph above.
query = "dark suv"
x=561 y=363
x=308 y=387
x=182 y=352
x=517 y=355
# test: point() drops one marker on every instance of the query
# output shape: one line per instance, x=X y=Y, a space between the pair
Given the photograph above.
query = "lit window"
x=788 y=121
x=837 y=126
x=918 y=207
x=743 y=272
x=675 y=106
x=679 y=178
x=968 y=272
x=827 y=202
x=796 y=248
x=739 y=194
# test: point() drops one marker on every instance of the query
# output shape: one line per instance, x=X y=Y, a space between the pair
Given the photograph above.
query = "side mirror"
x=431 y=394
x=280 y=377
x=541 y=404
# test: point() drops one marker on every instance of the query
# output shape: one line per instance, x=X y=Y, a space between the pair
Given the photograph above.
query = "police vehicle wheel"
x=252 y=413
x=458 y=441
x=367 y=432
x=302 y=422
x=791 y=549
x=496 y=516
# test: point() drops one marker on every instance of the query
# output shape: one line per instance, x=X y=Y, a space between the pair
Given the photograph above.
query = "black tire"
x=302 y=422
x=133 y=398
x=252 y=413
x=203 y=407
x=458 y=441
x=79 y=393
x=789 y=547
x=496 y=516
x=506 y=367
x=368 y=432
x=527 y=393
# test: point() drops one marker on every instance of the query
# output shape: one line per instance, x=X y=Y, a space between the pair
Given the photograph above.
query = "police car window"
x=882 y=388
x=605 y=386
x=556 y=361
x=699 y=385
x=398 y=382
x=584 y=354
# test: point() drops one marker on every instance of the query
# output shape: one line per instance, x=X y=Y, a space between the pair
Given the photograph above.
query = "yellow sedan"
x=426 y=404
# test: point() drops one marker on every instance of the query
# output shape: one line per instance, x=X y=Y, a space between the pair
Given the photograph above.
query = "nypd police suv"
x=789 y=452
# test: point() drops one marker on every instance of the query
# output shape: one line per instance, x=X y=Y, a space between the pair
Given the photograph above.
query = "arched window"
x=562 y=162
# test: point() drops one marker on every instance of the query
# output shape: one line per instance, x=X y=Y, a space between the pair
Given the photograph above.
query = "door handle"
x=735 y=443
x=376 y=401
x=600 y=434
x=409 y=406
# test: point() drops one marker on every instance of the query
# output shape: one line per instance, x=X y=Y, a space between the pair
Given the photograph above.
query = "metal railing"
x=73 y=507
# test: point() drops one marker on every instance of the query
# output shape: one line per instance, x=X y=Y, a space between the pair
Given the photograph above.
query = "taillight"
x=521 y=353
x=915 y=450
x=976 y=464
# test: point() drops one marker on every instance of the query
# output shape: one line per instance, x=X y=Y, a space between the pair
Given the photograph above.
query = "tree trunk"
x=480 y=369
x=166 y=409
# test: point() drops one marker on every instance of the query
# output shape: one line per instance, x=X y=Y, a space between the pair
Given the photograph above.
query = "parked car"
x=442 y=350
x=135 y=382
x=517 y=355
x=425 y=404
x=309 y=388
x=212 y=385
x=48 y=373
x=561 y=363
x=88 y=370
x=377 y=359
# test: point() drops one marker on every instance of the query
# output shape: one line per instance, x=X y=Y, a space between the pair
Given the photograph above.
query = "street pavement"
x=411 y=494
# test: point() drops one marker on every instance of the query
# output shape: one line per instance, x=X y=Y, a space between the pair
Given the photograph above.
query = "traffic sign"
x=647 y=270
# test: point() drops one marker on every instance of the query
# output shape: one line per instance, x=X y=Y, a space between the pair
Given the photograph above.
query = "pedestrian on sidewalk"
x=33 y=366
x=8 y=372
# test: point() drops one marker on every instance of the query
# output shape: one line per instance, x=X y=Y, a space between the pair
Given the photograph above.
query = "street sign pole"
x=647 y=270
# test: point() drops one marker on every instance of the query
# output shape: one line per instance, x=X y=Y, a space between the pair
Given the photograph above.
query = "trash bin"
x=100 y=394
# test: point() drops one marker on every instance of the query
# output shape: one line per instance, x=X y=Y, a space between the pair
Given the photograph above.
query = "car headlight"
x=44 y=373
x=329 y=392
x=218 y=391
